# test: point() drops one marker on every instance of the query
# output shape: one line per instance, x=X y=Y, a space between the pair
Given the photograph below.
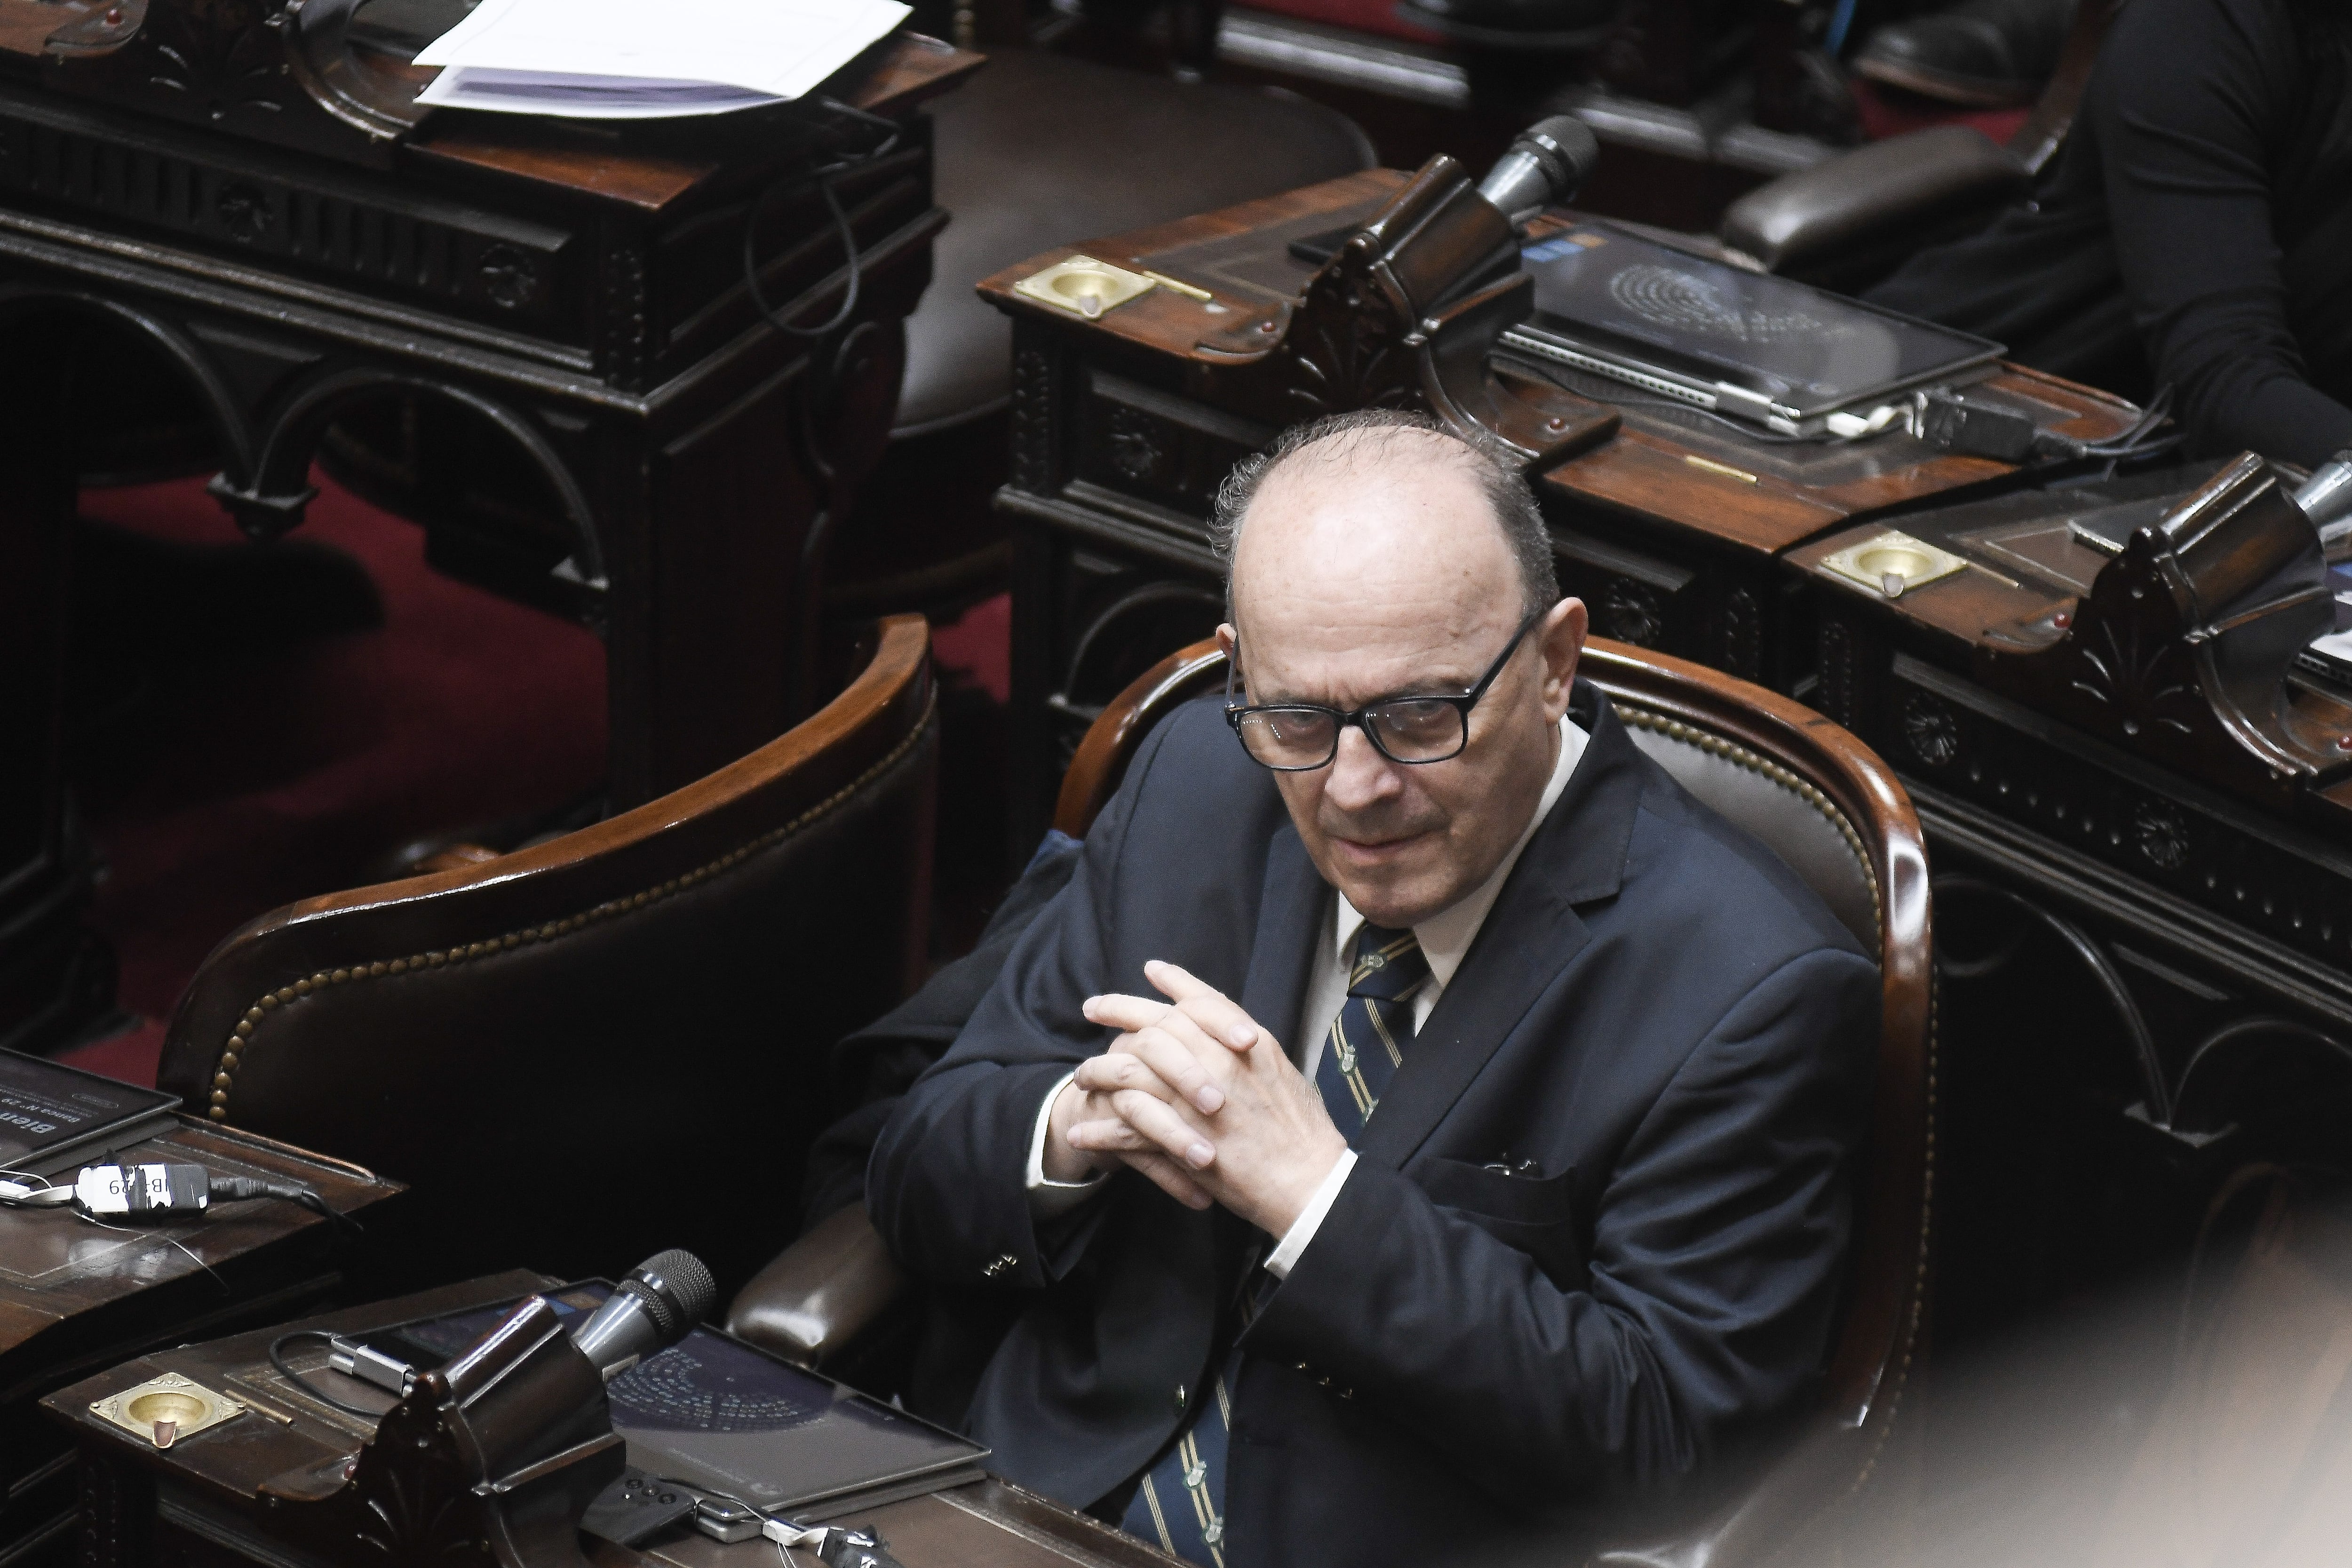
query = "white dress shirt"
x=1445 y=937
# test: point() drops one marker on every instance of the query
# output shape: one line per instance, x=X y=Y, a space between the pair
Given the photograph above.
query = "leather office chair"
x=1039 y=147
x=609 y=1043
x=1829 y=807
x=1851 y=219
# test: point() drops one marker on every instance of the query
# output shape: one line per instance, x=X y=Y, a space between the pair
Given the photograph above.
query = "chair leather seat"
x=1038 y=148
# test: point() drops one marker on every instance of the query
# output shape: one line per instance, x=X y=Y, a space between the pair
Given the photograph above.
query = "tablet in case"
x=714 y=1414
x=1780 y=353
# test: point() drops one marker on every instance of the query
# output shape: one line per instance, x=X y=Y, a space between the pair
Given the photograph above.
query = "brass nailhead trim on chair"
x=1716 y=745
x=1756 y=763
x=225 y=1073
x=1920 y=1267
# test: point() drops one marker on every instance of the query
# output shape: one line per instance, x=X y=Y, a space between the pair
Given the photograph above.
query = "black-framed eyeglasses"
x=1299 y=737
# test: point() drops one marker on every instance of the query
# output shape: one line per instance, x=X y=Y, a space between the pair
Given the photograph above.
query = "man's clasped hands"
x=1199 y=1098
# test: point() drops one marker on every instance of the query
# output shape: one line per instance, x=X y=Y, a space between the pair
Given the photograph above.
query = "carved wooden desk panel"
x=580 y=292
x=206 y=1501
x=2144 y=905
x=75 y=1298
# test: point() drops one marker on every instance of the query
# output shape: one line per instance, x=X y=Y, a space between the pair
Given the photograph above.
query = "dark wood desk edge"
x=915 y=68
x=1124 y=249
x=292 y=1153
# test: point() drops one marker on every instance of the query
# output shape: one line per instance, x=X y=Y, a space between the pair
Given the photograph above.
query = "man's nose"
x=1361 y=775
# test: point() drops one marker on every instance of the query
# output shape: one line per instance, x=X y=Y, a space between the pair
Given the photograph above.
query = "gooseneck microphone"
x=1546 y=166
x=650 y=1310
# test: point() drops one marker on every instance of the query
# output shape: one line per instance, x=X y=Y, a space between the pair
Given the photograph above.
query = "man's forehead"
x=1416 y=541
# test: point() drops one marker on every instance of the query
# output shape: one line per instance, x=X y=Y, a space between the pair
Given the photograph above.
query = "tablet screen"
x=1809 y=350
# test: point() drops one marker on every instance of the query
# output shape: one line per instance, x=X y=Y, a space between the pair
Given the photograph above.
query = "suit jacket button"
x=1180 y=1396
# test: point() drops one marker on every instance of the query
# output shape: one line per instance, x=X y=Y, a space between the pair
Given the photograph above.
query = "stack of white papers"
x=647 y=59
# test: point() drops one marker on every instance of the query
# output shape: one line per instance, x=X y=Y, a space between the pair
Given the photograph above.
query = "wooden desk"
x=1123 y=426
x=2147 y=964
x=75 y=1296
x=204 y=1500
x=276 y=225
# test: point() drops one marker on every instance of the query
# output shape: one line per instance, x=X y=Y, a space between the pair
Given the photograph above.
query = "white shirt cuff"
x=1302 y=1229
x=1047 y=1198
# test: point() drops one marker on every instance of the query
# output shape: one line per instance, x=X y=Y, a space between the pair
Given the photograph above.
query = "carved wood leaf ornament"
x=2146 y=680
x=223 y=52
x=1346 y=348
x=417 y=1503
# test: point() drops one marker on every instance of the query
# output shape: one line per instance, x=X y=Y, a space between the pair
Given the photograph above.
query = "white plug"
x=30 y=1196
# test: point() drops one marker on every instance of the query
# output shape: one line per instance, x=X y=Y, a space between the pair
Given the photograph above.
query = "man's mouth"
x=1376 y=852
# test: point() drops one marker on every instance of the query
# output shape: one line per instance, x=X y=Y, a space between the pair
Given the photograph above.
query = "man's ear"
x=1561 y=639
x=1228 y=639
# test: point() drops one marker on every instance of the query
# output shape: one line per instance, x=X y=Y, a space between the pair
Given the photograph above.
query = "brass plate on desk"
x=1893 y=563
x=163 y=1410
x=1084 y=287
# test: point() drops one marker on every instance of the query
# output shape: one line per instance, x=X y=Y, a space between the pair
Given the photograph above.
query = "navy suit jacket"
x=1657 y=1013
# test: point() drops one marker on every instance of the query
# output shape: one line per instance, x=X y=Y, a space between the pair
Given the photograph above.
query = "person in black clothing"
x=2196 y=230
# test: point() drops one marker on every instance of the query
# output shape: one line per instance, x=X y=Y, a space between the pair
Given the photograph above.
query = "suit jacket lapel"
x=1289 y=922
x=1529 y=936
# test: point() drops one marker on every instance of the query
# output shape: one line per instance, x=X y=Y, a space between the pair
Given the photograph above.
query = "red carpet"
x=240 y=777
x=976 y=650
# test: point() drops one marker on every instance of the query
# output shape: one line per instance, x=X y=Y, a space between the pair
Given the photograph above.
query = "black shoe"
x=1986 y=54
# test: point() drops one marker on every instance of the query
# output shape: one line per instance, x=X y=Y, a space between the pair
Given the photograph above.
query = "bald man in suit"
x=1418 y=1121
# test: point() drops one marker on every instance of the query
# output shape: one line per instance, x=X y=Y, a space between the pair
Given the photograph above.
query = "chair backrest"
x=1827 y=805
x=612 y=1042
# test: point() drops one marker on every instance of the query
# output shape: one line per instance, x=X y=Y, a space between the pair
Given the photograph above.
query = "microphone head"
x=679 y=1289
x=1548 y=165
x=2326 y=496
x=1568 y=147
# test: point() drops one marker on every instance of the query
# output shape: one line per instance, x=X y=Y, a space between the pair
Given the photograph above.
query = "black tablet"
x=1782 y=353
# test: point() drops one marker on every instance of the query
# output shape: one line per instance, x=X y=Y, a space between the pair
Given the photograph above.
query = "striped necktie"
x=1369 y=1033
x=1180 y=1503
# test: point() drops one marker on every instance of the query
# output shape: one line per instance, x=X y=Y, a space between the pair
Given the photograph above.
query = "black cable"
x=2135 y=442
x=848 y=246
x=823 y=178
x=236 y=1189
x=277 y=1358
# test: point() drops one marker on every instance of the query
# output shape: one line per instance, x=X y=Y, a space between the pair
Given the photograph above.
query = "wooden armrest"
x=1871 y=193
x=454 y=858
x=820 y=1292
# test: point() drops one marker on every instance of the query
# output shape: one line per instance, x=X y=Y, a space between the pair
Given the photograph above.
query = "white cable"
x=785 y=1534
x=17 y=1195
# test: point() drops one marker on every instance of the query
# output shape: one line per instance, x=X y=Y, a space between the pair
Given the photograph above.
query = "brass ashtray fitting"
x=167 y=1408
x=1083 y=285
x=1893 y=563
